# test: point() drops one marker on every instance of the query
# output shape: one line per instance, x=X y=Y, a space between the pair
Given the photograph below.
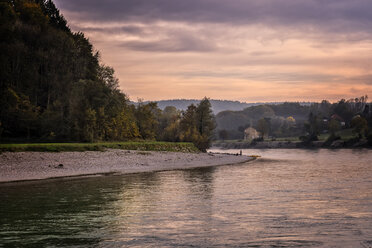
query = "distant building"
x=338 y=118
x=250 y=134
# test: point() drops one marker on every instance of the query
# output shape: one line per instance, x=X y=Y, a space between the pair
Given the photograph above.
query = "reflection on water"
x=288 y=198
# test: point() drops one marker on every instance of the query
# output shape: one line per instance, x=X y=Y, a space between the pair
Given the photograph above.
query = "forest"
x=55 y=88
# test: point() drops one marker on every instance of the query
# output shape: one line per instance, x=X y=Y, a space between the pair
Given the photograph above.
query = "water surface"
x=288 y=198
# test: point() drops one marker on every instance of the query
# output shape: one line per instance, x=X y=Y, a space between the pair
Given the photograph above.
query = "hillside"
x=53 y=86
x=294 y=119
x=217 y=105
x=236 y=121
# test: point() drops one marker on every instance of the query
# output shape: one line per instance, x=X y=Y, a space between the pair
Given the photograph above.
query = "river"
x=286 y=198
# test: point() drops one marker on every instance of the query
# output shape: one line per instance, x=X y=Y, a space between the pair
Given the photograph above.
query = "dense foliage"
x=294 y=119
x=129 y=145
x=52 y=85
x=217 y=105
x=54 y=88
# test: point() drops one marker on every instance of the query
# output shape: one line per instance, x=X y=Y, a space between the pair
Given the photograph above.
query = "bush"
x=202 y=143
x=331 y=138
x=352 y=141
x=256 y=140
x=308 y=138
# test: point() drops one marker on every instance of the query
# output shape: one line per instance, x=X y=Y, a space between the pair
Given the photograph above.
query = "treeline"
x=294 y=119
x=324 y=117
x=279 y=120
x=217 y=105
x=54 y=88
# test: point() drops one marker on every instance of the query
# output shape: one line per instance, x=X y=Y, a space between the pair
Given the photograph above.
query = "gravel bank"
x=20 y=166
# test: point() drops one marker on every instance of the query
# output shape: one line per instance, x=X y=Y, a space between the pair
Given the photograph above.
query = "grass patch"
x=80 y=147
x=294 y=139
x=345 y=134
x=230 y=141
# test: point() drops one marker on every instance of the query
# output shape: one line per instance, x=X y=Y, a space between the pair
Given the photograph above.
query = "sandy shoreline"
x=21 y=166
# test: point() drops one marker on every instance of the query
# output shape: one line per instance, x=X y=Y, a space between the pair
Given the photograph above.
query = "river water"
x=287 y=198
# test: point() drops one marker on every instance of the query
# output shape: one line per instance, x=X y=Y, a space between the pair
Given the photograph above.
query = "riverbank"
x=291 y=144
x=100 y=146
x=21 y=166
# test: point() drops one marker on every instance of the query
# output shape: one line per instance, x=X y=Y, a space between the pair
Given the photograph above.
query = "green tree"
x=90 y=125
x=312 y=127
x=169 y=124
x=334 y=126
x=223 y=134
x=172 y=132
x=188 y=130
x=205 y=124
x=147 y=119
x=263 y=127
x=197 y=125
x=360 y=126
x=204 y=118
x=123 y=127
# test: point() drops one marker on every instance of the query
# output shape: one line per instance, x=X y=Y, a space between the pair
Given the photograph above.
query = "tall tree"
x=197 y=125
x=263 y=127
x=360 y=126
x=147 y=119
x=188 y=129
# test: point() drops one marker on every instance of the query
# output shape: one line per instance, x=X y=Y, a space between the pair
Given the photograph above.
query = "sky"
x=245 y=50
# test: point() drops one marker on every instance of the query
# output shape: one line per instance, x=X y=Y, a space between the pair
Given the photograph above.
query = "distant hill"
x=217 y=105
x=232 y=120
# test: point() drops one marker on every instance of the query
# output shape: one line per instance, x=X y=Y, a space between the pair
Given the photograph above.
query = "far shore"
x=24 y=166
x=337 y=144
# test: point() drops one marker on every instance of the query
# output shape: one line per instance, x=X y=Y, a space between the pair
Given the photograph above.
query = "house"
x=338 y=118
x=250 y=134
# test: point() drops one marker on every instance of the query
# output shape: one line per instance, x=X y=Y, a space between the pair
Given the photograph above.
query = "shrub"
x=331 y=138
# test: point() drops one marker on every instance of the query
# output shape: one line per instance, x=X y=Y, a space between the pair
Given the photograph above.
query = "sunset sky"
x=246 y=50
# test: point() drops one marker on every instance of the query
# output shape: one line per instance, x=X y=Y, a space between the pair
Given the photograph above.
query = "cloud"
x=127 y=29
x=233 y=49
x=170 y=45
x=331 y=15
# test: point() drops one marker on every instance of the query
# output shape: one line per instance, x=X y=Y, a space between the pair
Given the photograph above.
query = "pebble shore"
x=21 y=166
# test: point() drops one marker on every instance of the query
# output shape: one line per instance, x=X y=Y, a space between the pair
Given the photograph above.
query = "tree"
x=205 y=124
x=360 y=126
x=312 y=127
x=123 y=127
x=223 y=134
x=172 y=132
x=334 y=126
x=263 y=127
x=343 y=109
x=169 y=124
x=204 y=118
x=106 y=75
x=188 y=130
x=89 y=125
x=197 y=125
x=147 y=120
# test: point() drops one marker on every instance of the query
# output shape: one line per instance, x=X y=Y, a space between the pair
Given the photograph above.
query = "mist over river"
x=286 y=198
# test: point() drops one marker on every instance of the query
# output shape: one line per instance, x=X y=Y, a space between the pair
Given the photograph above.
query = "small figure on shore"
x=241 y=153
